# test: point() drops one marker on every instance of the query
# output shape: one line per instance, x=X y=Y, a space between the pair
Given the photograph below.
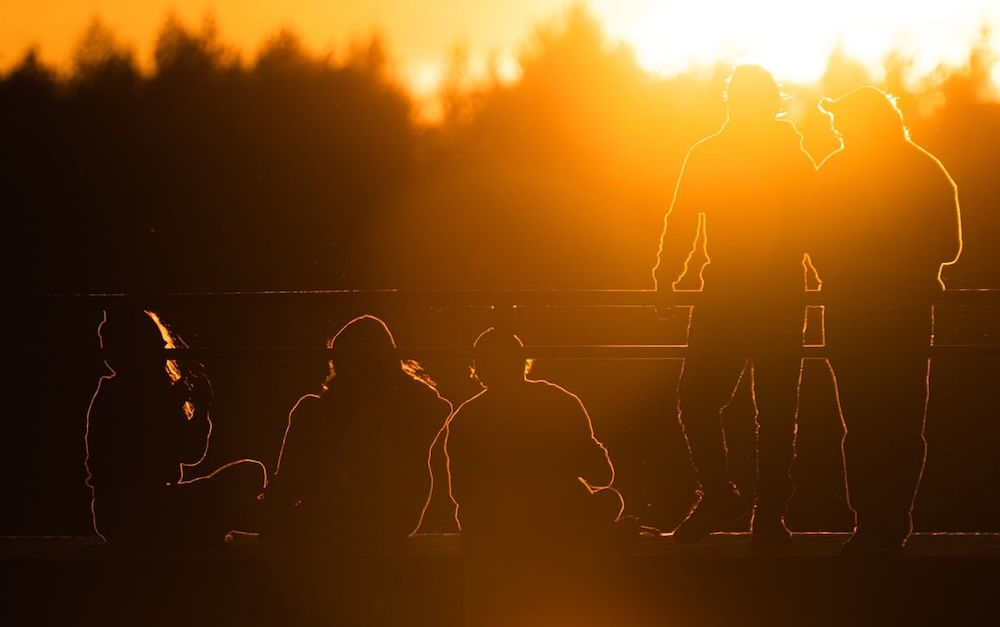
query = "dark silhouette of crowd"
x=376 y=454
x=377 y=450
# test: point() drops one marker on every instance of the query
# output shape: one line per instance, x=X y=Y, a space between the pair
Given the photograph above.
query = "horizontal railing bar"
x=578 y=351
x=487 y=297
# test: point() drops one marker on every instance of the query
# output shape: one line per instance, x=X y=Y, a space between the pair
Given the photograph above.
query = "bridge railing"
x=506 y=306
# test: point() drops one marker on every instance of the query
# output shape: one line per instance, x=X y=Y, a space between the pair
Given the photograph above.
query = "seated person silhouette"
x=526 y=471
x=354 y=464
x=148 y=428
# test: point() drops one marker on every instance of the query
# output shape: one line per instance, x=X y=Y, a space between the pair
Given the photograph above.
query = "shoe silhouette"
x=712 y=513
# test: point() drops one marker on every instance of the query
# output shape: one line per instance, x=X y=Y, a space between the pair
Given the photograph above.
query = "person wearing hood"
x=745 y=190
x=887 y=221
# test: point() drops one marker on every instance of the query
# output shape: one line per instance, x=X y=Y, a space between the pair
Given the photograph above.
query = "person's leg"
x=776 y=386
x=883 y=405
x=706 y=385
x=707 y=382
x=606 y=504
x=224 y=501
x=882 y=382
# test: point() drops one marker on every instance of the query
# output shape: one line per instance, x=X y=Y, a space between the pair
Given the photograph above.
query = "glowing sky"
x=792 y=36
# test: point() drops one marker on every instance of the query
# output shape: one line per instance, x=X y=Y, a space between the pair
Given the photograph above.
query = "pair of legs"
x=200 y=512
x=880 y=363
x=724 y=345
x=573 y=518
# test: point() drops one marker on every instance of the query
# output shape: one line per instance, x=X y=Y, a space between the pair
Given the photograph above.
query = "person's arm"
x=951 y=224
x=453 y=454
x=438 y=512
x=806 y=213
x=934 y=230
x=195 y=431
x=816 y=225
x=679 y=236
x=298 y=448
x=593 y=461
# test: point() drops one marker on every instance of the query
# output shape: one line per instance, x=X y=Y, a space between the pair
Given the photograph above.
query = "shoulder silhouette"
x=889 y=210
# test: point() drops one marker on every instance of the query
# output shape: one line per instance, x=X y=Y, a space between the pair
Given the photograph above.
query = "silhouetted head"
x=130 y=328
x=130 y=337
x=865 y=115
x=499 y=358
x=363 y=352
x=752 y=94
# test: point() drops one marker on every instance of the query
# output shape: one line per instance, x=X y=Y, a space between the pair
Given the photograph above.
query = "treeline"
x=206 y=174
x=296 y=170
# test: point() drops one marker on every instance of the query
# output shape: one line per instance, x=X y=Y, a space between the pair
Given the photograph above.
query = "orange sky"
x=792 y=36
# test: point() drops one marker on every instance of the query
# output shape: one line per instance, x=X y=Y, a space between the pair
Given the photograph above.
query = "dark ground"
x=941 y=579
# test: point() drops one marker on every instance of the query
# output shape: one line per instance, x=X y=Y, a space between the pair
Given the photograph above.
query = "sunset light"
x=667 y=36
x=794 y=38
x=496 y=313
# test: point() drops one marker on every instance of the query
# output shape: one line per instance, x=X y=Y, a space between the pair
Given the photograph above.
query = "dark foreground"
x=941 y=579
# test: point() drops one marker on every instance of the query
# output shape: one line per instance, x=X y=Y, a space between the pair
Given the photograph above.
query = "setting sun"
x=792 y=37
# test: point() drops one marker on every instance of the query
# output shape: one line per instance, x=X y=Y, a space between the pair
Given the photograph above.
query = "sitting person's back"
x=526 y=469
x=353 y=467
x=148 y=430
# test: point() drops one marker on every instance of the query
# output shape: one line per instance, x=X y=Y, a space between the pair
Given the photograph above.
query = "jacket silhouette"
x=748 y=188
x=526 y=469
x=354 y=463
x=887 y=221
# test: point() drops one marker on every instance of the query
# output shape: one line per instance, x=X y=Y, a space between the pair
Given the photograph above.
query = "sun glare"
x=791 y=37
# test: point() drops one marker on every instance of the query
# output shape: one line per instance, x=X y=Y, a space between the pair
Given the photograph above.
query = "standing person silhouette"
x=747 y=186
x=888 y=221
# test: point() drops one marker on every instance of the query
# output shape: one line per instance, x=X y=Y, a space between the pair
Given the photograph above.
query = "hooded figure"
x=747 y=188
x=888 y=220
x=354 y=462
